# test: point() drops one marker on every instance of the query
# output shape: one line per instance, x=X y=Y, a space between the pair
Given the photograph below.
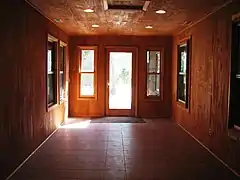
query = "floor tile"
x=155 y=150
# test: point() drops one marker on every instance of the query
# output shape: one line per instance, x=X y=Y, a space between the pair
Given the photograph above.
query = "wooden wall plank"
x=210 y=72
x=24 y=120
x=146 y=108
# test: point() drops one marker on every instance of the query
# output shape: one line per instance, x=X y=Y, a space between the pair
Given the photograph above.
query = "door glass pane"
x=120 y=80
x=153 y=61
x=87 y=85
x=87 y=64
x=153 y=85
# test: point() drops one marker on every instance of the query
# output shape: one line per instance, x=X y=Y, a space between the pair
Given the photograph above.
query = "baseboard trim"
x=26 y=159
x=212 y=153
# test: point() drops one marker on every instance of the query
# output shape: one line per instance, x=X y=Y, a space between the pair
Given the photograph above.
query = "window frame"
x=161 y=73
x=53 y=104
x=86 y=97
x=64 y=45
x=188 y=41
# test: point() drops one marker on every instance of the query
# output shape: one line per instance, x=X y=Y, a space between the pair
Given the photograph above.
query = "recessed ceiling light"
x=88 y=10
x=161 y=11
x=148 y=27
x=58 y=20
x=95 y=26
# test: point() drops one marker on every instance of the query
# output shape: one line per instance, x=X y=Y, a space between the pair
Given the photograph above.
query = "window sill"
x=51 y=107
x=62 y=101
x=182 y=105
x=153 y=98
x=87 y=98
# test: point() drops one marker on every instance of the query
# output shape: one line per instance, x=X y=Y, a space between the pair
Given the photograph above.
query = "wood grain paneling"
x=210 y=73
x=146 y=108
x=24 y=120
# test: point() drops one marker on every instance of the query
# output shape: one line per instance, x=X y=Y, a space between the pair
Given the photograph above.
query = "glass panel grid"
x=153 y=73
x=153 y=61
x=87 y=84
x=153 y=85
x=87 y=60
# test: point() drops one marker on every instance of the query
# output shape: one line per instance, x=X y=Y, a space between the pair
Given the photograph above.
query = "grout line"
x=31 y=154
x=212 y=153
x=124 y=161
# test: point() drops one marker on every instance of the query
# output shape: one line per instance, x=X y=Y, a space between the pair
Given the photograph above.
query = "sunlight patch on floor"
x=77 y=125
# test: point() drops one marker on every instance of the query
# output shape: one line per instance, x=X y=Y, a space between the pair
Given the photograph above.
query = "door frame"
x=134 y=110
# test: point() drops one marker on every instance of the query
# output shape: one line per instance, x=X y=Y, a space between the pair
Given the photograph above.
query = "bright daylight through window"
x=153 y=73
x=87 y=73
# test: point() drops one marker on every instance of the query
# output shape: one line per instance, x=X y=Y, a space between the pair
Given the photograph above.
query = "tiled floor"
x=157 y=150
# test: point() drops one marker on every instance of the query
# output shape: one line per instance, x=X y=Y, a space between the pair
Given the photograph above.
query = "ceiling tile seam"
x=38 y=10
x=205 y=17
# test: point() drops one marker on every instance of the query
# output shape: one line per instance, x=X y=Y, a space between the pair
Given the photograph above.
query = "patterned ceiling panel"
x=70 y=17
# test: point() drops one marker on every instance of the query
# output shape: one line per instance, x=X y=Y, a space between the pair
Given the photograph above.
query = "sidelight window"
x=154 y=63
x=87 y=72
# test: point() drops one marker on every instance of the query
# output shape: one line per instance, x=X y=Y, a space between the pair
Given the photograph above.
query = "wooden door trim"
x=135 y=62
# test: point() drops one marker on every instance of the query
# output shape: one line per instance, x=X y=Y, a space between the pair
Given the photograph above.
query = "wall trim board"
x=29 y=156
x=212 y=153
x=205 y=17
x=38 y=10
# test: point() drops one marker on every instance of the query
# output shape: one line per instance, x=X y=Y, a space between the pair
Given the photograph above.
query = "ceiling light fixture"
x=161 y=11
x=58 y=20
x=148 y=27
x=88 y=10
x=95 y=26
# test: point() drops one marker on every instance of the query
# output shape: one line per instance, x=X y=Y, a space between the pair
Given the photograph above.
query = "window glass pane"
x=50 y=57
x=61 y=58
x=61 y=81
x=182 y=87
x=87 y=64
x=182 y=72
x=153 y=85
x=153 y=61
x=61 y=71
x=87 y=85
x=183 y=58
x=51 y=89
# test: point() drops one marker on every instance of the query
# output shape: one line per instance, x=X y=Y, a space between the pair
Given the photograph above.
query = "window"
x=51 y=71
x=153 y=73
x=87 y=72
x=62 y=56
x=183 y=73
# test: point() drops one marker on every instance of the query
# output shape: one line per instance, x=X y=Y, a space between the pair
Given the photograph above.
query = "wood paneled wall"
x=210 y=73
x=24 y=120
x=146 y=108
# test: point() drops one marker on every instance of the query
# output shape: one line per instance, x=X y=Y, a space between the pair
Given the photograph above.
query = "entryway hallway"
x=158 y=149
